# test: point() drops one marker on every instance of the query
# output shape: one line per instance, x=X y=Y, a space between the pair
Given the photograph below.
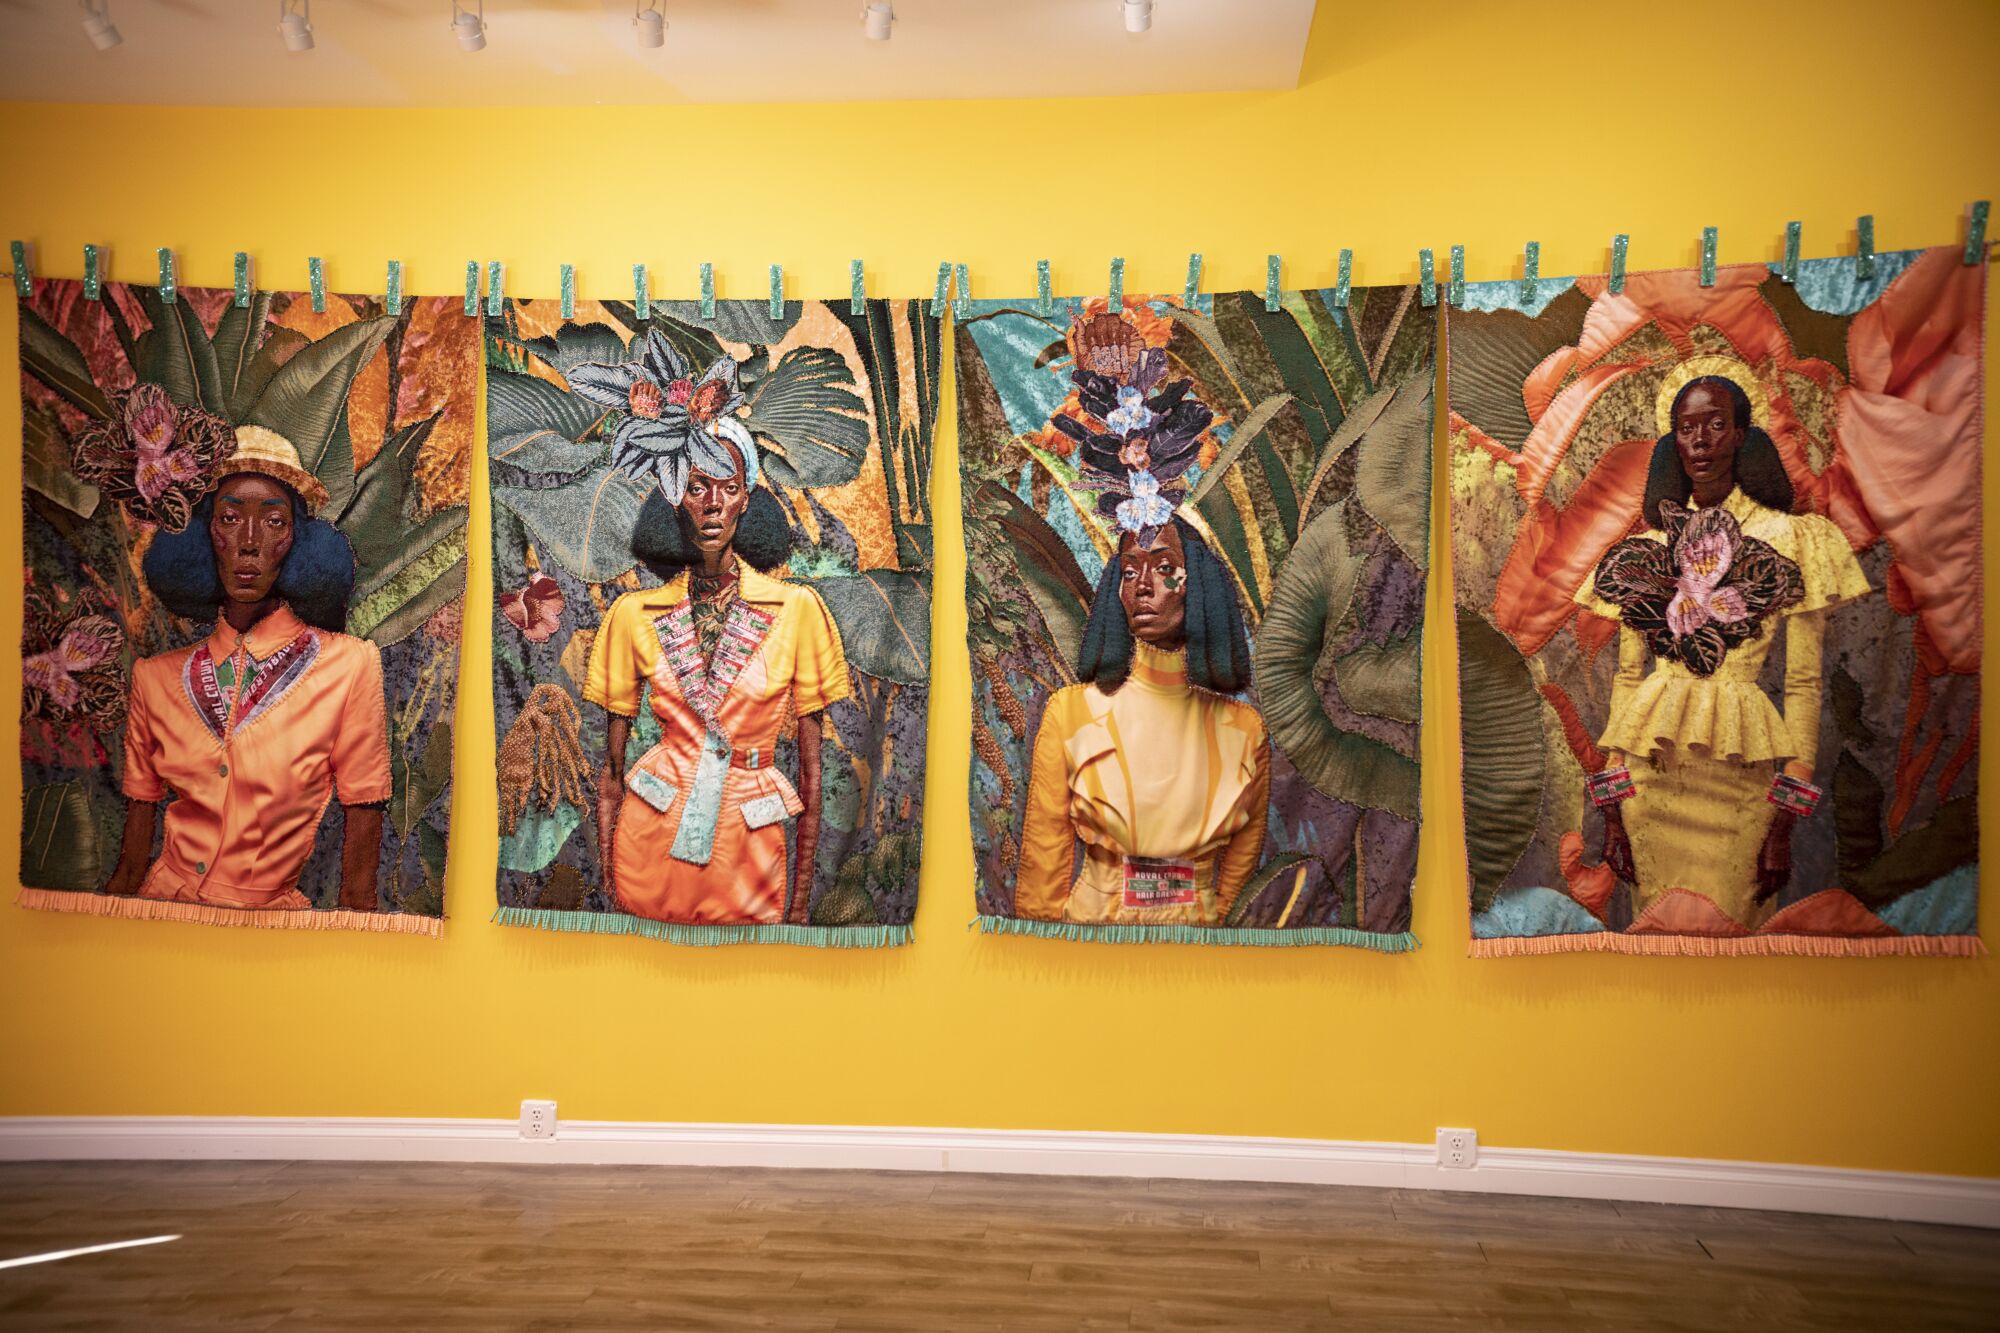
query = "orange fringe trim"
x=158 y=909
x=1706 y=946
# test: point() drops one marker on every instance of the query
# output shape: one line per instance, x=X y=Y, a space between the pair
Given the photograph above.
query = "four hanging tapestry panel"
x=245 y=533
x=1716 y=552
x=1196 y=547
x=712 y=555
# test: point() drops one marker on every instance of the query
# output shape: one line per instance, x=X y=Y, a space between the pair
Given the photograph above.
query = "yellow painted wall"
x=1488 y=124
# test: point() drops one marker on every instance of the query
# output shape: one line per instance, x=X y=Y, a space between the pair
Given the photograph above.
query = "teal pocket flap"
x=764 y=810
x=653 y=789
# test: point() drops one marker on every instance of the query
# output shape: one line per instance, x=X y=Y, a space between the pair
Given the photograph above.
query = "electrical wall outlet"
x=1458 y=1149
x=538 y=1121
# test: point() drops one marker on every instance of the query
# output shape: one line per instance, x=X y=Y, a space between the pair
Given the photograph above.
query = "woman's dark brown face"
x=713 y=505
x=251 y=532
x=1706 y=433
x=1152 y=587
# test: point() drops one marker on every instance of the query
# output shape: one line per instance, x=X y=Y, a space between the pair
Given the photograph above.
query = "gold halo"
x=1694 y=368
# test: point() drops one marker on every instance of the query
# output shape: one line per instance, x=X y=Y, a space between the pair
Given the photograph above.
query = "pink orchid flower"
x=89 y=643
x=1706 y=550
x=535 y=610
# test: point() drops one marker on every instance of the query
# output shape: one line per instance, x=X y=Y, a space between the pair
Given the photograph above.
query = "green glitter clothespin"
x=777 y=292
x=1455 y=293
x=1342 y=283
x=393 y=298
x=708 y=291
x=1864 y=254
x=170 y=291
x=1793 y=231
x=93 y=278
x=24 y=282
x=961 y=305
x=857 y=289
x=943 y=287
x=496 y=286
x=316 y=282
x=1045 y=300
x=1708 y=237
x=569 y=291
x=1274 y=267
x=1192 y=292
x=642 y=300
x=1427 y=277
x=1975 y=234
x=472 y=286
x=243 y=280
x=1531 y=272
x=1619 y=244
x=1116 y=297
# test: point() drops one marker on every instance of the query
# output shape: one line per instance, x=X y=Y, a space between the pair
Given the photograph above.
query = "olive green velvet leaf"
x=306 y=401
x=1392 y=478
x=1383 y=681
x=1500 y=718
x=1356 y=425
x=1858 y=800
x=1312 y=593
x=413 y=786
x=45 y=468
x=1492 y=355
x=1247 y=430
x=539 y=836
x=1274 y=880
x=574 y=344
x=238 y=336
x=808 y=419
x=1053 y=579
x=884 y=617
x=585 y=525
x=176 y=354
x=56 y=362
x=61 y=844
x=536 y=427
x=1925 y=854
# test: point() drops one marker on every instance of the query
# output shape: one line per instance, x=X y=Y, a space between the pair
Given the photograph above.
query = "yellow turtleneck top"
x=1174 y=776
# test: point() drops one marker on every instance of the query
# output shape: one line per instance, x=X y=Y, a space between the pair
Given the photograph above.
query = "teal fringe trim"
x=1070 y=930
x=614 y=923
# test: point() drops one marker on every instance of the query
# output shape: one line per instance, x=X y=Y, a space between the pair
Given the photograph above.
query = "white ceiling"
x=557 y=52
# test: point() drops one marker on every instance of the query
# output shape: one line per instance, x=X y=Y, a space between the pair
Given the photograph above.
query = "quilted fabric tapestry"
x=1196 y=543
x=245 y=535
x=712 y=557
x=1716 y=551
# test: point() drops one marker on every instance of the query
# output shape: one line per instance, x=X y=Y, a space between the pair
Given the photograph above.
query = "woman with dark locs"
x=257 y=728
x=1148 y=761
x=1705 y=775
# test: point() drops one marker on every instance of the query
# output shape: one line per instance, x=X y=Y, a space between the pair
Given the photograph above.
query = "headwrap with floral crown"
x=674 y=423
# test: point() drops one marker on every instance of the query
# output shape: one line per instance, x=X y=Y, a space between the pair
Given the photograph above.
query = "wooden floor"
x=386 y=1247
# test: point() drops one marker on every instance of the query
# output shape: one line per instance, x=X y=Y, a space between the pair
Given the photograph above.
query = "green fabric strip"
x=1193 y=289
x=569 y=291
x=1456 y=295
x=243 y=280
x=1975 y=234
x=1531 y=272
x=1045 y=301
x=1792 y=231
x=394 y=297
x=495 y=287
x=472 y=286
x=1427 y=276
x=943 y=288
x=1864 y=255
x=24 y=282
x=961 y=305
x=1619 y=244
x=1274 y=266
x=1708 y=238
x=642 y=302
x=1344 y=282
x=777 y=291
x=708 y=291
x=610 y=923
x=857 y=289
x=316 y=282
x=93 y=281
x=1304 y=935
x=1117 y=297
x=170 y=291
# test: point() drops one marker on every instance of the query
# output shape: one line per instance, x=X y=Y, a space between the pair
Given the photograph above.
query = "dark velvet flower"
x=674 y=424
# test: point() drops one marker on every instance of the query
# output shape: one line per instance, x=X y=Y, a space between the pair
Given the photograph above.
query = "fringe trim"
x=1381 y=942
x=677 y=932
x=159 y=909
x=1705 y=946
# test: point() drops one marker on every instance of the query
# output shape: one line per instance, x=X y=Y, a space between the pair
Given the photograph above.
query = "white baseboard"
x=1960 y=1200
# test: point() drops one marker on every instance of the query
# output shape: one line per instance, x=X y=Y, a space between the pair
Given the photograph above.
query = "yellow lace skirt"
x=1697 y=824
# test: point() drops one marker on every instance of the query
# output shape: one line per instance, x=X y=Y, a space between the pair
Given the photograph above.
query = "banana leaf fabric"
x=1197 y=538
x=245 y=533
x=712 y=562
x=1716 y=554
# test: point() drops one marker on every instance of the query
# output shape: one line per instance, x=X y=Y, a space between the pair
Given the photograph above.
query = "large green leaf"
x=238 y=336
x=585 y=525
x=45 y=467
x=1392 y=478
x=1492 y=355
x=177 y=355
x=376 y=516
x=1311 y=593
x=56 y=362
x=884 y=617
x=1246 y=430
x=306 y=400
x=414 y=786
x=1053 y=579
x=1262 y=898
x=428 y=570
x=538 y=837
x=61 y=845
x=1501 y=721
x=812 y=423
x=1924 y=855
x=574 y=344
x=1383 y=681
x=534 y=426
x=279 y=346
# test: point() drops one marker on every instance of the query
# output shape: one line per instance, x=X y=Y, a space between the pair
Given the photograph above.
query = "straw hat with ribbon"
x=269 y=454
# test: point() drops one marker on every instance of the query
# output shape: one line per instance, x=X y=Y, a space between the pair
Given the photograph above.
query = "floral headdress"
x=674 y=423
x=1136 y=436
x=153 y=456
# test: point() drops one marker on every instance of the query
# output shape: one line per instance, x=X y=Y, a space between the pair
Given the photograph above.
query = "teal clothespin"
x=1045 y=299
x=24 y=282
x=1531 y=272
x=93 y=277
x=1427 y=277
x=777 y=292
x=1864 y=253
x=496 y=280
x=170 y=291
x=943 y=287
x=642 y=300
x=472 y=286
x=243 y=280
x=1117 y=293
x=1192 y=292
x=316 y=282
x=569 y=291
x=1619 y=245
x=1274 y=267
x=1793 y=231
x=393 y=298
x=708 y=291
x=1708 y=256
x=1455 y=294
x=1342 y=283
x=1975 y=234
x=857 y=289
x=961 y=306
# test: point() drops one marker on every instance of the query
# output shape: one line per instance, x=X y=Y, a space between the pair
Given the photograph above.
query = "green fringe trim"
x=617 y=923
x=1303 y=935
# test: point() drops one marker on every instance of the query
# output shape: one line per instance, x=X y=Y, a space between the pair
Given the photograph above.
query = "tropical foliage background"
x=842 y=408
x=1313 y=486
x=381 y=408
x=1872 y=386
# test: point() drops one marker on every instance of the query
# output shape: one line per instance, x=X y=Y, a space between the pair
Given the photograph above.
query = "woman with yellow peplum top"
x=1706 y=775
